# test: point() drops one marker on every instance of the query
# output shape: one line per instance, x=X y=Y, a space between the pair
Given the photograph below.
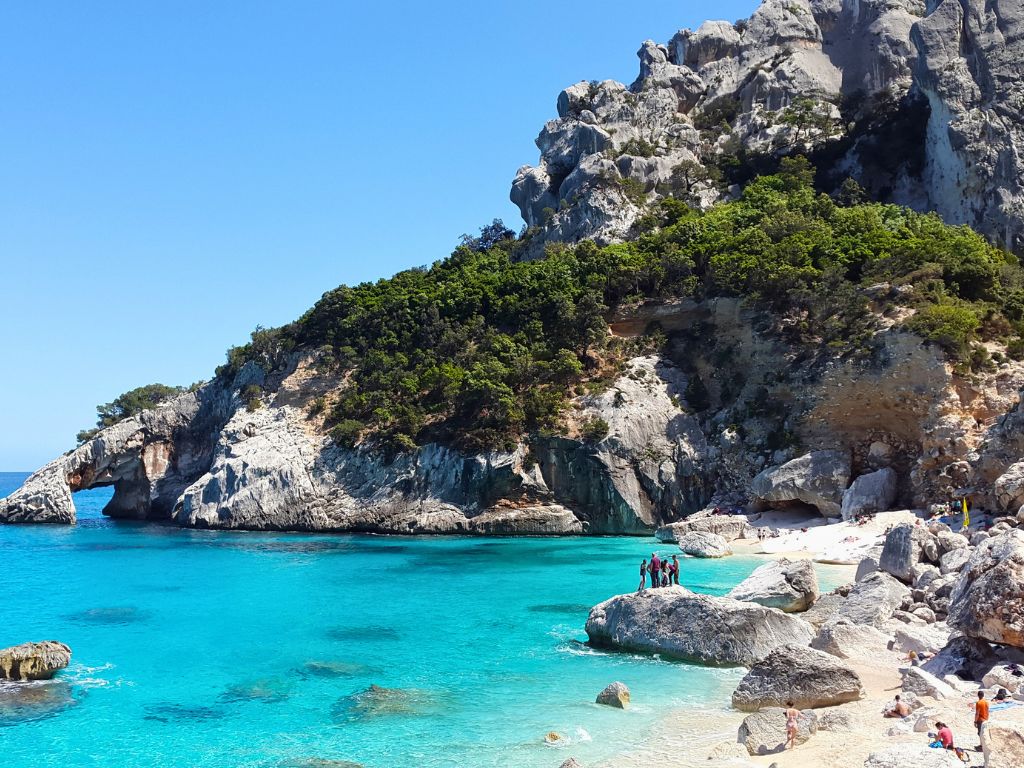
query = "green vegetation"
x=594 y=430
x=481 y=348
x=129 y=404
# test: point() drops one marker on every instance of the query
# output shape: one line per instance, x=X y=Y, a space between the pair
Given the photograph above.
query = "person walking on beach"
x=643 y=576
x=980 y=713
x=675 y=570
x=655 y=570
x=792 y=728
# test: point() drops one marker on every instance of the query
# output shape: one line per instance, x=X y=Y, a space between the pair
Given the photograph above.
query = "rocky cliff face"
x=919 y=102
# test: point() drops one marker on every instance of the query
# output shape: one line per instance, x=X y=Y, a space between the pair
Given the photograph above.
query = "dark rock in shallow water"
x=376 y=701
x=265 y=691
x=336 y=669
x=560 y=608
x=26 y=702
x=317 y=762
x=173 y=713
x=363 y=633
x=110 y=616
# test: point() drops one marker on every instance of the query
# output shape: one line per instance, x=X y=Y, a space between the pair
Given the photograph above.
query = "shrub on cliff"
x=129 y=404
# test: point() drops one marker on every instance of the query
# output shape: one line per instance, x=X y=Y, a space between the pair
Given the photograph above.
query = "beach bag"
x=962 y=754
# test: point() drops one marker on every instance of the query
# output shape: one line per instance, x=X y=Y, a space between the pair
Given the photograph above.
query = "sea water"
x=201 y=648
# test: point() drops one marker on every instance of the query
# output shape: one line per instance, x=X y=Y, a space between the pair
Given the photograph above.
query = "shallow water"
x=198 y=648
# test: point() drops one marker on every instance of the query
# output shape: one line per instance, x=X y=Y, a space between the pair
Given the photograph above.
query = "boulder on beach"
x=34 y=661
x=675 y=622
x=917 y=680
x=846 y=640
x=903 y=549
x=1002 y=745
x=987 y=601
x=928 y=639
x=614 y=695
x=824 y=608
x=912 y=756
x=764 y=732
x=816 y=479
x=789 y=585
x=869 y=494
x=703 y=544
x=873 y=600
x=807 y=677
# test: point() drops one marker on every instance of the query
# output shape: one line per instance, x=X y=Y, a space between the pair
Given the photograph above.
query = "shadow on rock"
x=376 y=702
x=26 y=702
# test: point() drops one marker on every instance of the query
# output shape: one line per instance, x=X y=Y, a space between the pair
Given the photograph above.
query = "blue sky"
x=176 y=173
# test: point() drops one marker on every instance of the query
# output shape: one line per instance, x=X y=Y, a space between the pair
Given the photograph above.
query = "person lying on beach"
x=896 y=709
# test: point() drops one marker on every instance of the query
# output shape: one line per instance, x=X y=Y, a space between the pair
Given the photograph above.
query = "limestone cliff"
x=919 y=102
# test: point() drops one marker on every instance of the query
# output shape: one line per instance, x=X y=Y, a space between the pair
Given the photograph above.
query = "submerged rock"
x=376 y=702
x=789 y=585
x=804 y=676
x=33 y=661
x=27 y=702
x=675 y=622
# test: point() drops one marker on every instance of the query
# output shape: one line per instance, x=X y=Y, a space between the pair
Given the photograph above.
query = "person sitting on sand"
x=944 y=735
x=792 y=726
x=897 y=708
x=643 y=576
x=675 y=570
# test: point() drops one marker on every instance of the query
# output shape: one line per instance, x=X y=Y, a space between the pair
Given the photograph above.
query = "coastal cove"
x=228 y=649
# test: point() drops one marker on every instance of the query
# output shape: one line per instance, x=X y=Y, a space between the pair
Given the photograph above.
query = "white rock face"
x=789 y=585
x=729 y=527
x=845 y=640
x=958 y=59
x=928 y=639
x=872 y=601
x=701 y=544
x=870 y=493
x=1009 y=487
x=916 y=680
x=817 y=479
x=673 y=621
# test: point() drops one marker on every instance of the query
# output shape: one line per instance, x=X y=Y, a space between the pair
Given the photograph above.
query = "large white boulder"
x=817 y=479
x=905 y=546
x=789 y=585
x=872 y=600
x=912 y=756
x=703 y=544
x=729 y=527
x=764 y=732
x=870 y=493
x=678 y=623
x=916 y=680
x=846 y=640
x=804 y=676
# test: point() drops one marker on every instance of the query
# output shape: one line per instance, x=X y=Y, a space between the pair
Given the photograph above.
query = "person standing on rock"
x=675 y=570
x=792 y=726
x=643 y=576
x=980 y=713
x=655 y=569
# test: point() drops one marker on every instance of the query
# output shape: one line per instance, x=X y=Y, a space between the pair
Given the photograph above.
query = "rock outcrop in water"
x=920 y=102
x=674 y=622
x=33 y=661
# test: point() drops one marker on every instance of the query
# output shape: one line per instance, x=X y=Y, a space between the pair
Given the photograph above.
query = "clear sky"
x=174 y=173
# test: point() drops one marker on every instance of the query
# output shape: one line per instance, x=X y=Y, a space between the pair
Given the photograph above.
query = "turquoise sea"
x=198 y=648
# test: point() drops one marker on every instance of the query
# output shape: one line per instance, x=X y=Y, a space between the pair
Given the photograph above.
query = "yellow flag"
x=967 y=514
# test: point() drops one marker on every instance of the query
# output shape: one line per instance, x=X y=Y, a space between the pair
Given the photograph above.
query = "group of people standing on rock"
x=663 y=573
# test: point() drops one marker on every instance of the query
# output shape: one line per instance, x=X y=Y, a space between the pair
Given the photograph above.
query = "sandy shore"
x=691 y=738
